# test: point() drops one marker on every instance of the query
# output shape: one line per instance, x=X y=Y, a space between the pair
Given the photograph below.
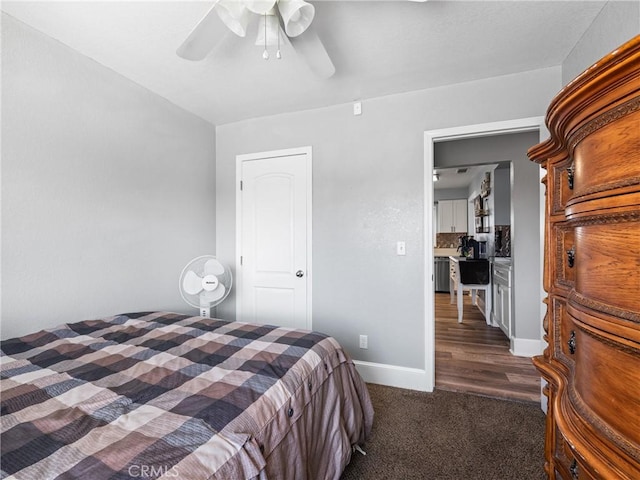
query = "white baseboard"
x=394 y=376
x=525 y=347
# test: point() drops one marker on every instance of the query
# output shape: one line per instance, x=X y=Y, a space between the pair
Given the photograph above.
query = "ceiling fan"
x=294 y=15
x=280 y=21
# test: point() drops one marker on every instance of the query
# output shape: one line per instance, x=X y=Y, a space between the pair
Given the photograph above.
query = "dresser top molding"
x=577 y=110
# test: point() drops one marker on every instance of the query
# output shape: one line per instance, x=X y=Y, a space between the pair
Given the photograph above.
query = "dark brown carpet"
x=446 y=435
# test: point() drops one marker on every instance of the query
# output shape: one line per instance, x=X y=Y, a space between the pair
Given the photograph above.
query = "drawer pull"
x=571 y=256
x=574 y=469
x=572 y=342
x=570 y=175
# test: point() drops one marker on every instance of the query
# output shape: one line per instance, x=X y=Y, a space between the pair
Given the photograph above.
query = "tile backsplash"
x=501 y=243
x=448 y=240
x=503 y=240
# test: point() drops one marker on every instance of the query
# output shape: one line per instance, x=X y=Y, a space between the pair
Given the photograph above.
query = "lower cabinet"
x=502 y=297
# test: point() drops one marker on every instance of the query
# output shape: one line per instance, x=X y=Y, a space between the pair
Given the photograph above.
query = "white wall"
x=368 y=194
x=107 y=189
x=449 y=194
x=501 y=192
x=617 y=23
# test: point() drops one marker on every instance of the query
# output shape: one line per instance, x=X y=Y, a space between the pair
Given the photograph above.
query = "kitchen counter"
x=501 y=260
x=445 y=252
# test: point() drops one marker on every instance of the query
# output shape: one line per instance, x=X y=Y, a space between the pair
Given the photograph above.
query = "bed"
x=164 y=395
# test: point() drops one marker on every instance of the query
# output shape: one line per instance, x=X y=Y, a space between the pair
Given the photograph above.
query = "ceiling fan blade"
x=310 y=48
x=192 y=283
x=202 y=38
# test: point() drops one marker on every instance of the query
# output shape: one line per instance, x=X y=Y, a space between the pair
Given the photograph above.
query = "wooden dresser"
x=592 y=272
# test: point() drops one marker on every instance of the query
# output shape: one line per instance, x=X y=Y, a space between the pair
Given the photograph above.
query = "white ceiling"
x=453 y=178
x=378 y=48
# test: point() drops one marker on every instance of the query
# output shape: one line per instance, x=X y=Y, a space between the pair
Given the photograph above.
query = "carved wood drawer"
x=602 y=144
x=566 y=461
x=605 y=384
x=609 y=391
x=573 y=470
x=606 y=265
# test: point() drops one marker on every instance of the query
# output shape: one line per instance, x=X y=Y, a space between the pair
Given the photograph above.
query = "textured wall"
x=368 y=193
x=107 y=189
x=618 y=22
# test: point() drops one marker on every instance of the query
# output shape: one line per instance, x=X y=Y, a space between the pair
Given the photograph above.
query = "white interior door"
x=274 y=272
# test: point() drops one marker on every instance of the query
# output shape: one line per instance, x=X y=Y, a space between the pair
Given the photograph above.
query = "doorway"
x=534 y=124
x=474 y=356
x=273 y=223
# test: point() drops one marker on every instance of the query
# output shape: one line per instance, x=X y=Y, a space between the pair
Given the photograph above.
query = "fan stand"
x=205 y=311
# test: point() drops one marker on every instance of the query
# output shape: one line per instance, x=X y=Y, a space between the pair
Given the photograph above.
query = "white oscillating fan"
x=205 y=283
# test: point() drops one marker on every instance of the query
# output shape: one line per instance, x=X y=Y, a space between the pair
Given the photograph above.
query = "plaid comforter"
x=155 y=395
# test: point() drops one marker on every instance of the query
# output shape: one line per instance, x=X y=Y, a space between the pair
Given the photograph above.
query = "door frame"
x=456 y=133
x=308 y=157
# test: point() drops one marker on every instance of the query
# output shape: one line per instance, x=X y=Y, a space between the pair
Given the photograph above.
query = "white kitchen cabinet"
x=460 y=209
x=452 y=216
x=502 y=297
x=445 y=216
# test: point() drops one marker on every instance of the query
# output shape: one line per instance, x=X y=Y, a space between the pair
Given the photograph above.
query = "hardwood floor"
x=474 y=357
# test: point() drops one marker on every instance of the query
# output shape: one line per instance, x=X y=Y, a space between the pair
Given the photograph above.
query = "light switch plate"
x=401 y=249
x=357 y=108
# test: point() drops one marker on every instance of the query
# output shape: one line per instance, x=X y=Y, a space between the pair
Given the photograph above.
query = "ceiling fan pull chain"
x=265 y=54
x=278 y=54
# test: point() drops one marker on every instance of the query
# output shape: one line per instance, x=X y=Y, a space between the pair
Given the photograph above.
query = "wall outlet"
x=357 y=108
x=364 y=341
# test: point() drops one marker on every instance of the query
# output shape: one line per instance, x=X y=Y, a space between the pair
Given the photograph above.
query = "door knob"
x=299 y=273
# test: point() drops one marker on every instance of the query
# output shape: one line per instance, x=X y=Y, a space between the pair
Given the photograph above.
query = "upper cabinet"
x=452 y=216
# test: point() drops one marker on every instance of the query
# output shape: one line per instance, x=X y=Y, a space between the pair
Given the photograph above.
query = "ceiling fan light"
x=234 y=15
x=259 y=6
x=296 y=15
